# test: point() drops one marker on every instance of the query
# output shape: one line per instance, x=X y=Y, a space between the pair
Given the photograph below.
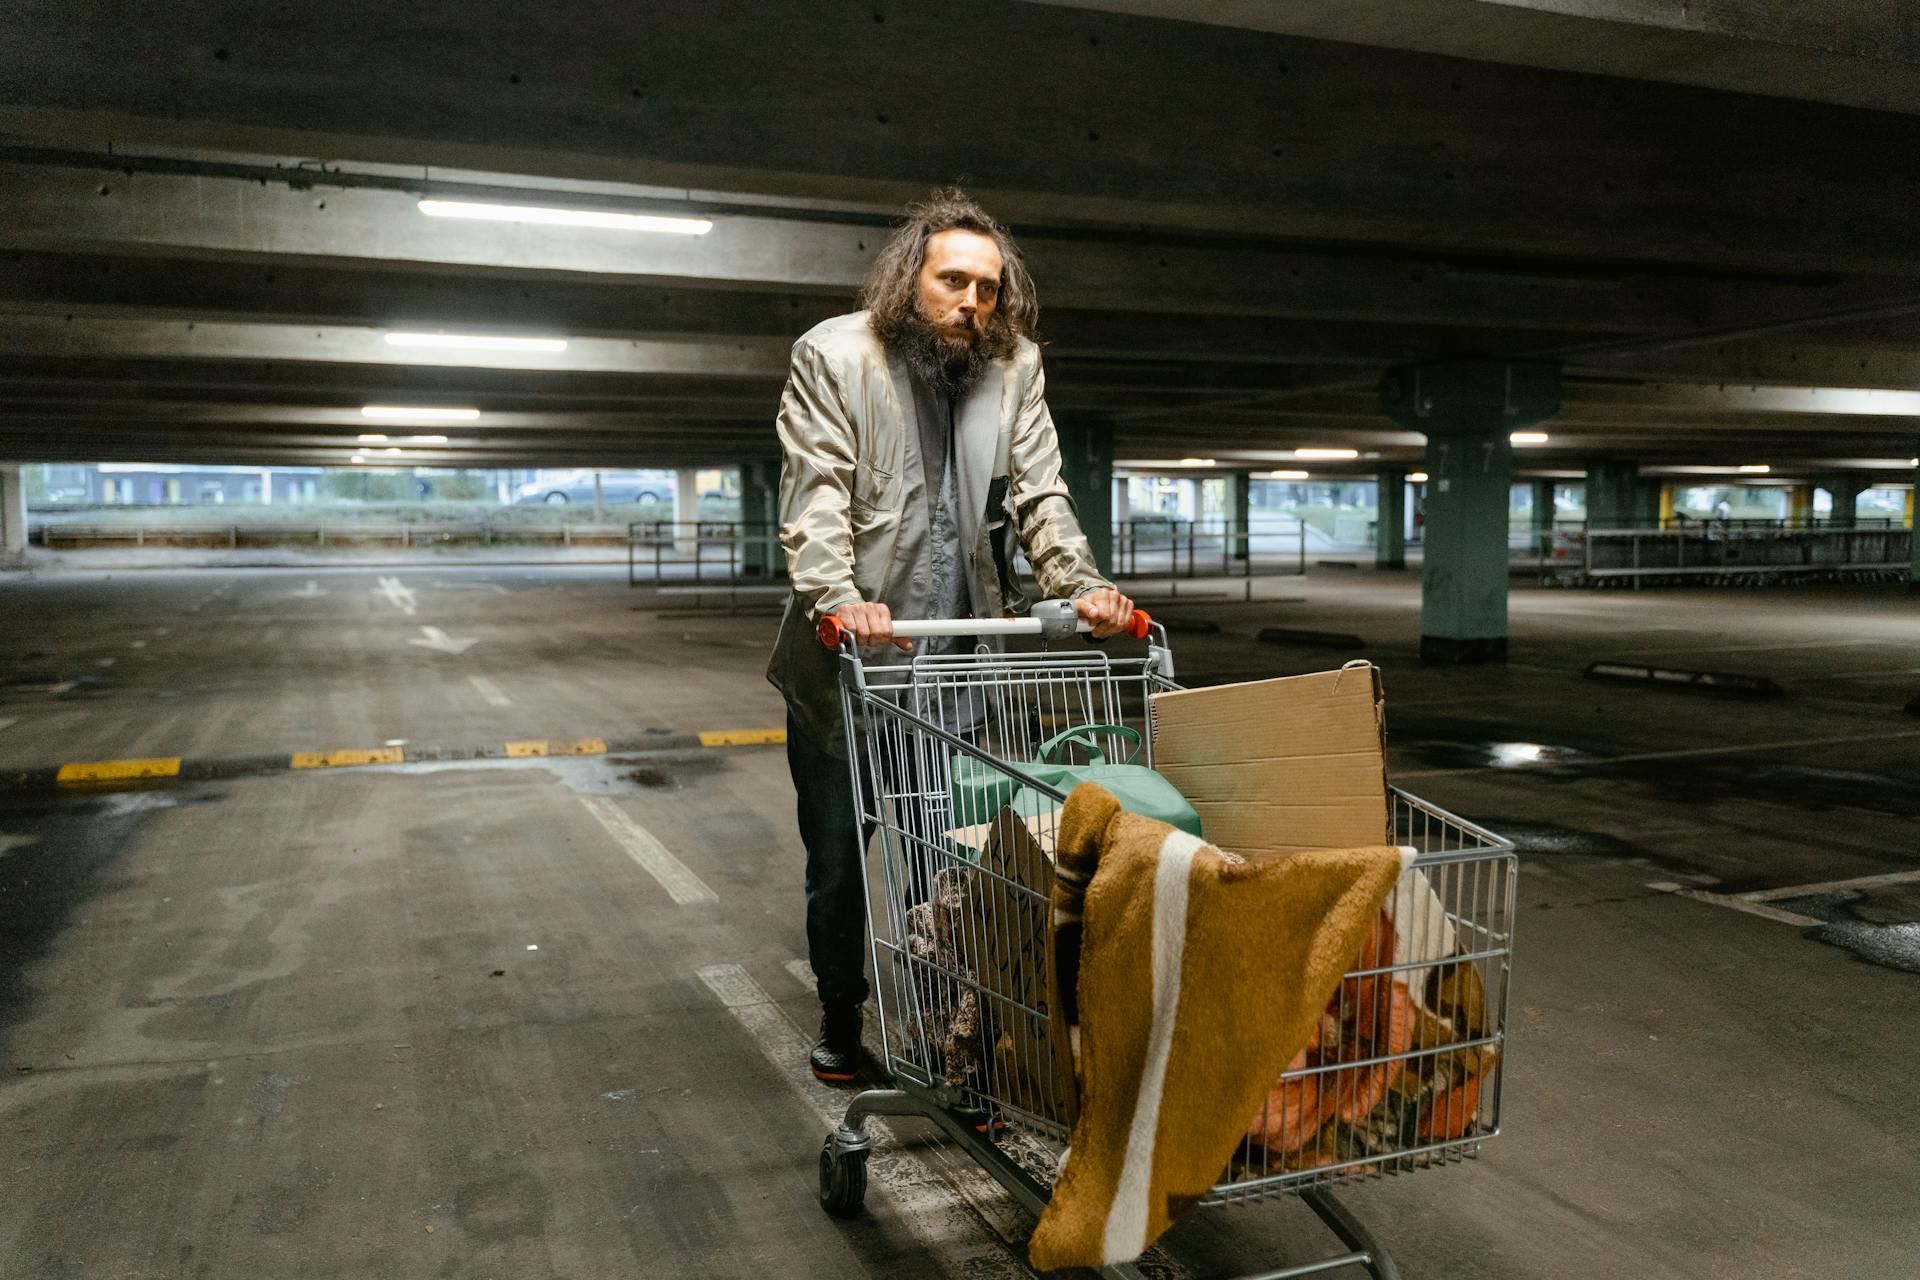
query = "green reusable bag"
x=980 y=790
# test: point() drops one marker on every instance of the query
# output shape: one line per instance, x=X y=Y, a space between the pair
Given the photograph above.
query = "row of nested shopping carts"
x=910 y=726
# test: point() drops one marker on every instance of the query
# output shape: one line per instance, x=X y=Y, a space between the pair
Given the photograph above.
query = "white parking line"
x=8 y=720
x=1831 y=886
x=490 y=691
x=1733 y=903
x=986 y=1196
x=674 y=875
x=935 y=1213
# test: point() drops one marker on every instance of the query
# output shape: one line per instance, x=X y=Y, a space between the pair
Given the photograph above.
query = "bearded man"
x=917 y=441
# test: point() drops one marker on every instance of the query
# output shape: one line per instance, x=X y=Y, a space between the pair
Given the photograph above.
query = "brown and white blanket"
x=1190 y=979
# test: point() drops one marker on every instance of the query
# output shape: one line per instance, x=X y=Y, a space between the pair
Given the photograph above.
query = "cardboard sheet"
x=1277 y=766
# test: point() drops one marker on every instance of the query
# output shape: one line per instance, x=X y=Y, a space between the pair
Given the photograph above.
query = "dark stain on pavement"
x=78 y=842
x=666 y=773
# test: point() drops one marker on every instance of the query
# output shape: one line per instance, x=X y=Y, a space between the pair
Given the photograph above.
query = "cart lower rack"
x=960 y=951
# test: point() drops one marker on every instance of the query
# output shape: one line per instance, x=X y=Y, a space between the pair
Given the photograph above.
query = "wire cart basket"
x=1403 y=1073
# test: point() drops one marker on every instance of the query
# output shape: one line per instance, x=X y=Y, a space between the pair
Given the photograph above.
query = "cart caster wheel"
x=843 y=1180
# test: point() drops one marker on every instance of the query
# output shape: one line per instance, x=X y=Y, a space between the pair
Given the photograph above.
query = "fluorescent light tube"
x=418 y=411
x=566 y=217
x=474 y=342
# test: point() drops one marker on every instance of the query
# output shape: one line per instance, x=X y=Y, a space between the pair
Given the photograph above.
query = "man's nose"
x=971 y=299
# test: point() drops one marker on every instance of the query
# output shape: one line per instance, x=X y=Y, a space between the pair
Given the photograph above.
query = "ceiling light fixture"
x=1282 y=475
x=426 y=439
x=1528 y=437
x=1754 y=469
x=393 y=450
x=375 y=436
x=474 y=342
x=418 y=411
x=1416 y=477
x=566 y=217
x=1330 y=454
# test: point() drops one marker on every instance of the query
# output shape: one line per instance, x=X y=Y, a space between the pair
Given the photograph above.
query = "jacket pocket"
x=872 y=486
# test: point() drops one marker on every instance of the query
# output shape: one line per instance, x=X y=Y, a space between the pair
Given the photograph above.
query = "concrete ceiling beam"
x=44 y=335
x=107 y=239
x=1858 y=53
x=1324 y=139
x=1801 y=364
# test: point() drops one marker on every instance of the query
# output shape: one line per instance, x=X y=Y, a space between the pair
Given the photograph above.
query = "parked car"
x=616 y=487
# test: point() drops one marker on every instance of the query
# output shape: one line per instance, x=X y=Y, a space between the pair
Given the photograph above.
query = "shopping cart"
x=960 y=950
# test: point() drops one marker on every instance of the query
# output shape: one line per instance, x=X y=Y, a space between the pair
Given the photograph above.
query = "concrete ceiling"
x=1237 y=222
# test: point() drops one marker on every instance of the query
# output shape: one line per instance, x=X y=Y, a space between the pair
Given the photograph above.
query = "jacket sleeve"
x=1042 y=508
x=816 y=481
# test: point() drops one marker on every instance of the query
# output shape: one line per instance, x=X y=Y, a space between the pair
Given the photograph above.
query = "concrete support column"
x=1614 y=496
x=760 y=554
x=1913 y=541
x=1086 y=464
x=1467 y=409
x=13 y=516
x=686 y=508
x=1390 y=529
x=1646 y=504
x=1239 y=512
x=1846 y=490
x=1543 y=502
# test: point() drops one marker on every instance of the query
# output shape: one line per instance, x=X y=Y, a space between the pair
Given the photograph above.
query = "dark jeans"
x=836 y=843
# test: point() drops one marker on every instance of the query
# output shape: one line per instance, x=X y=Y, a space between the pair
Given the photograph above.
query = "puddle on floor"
x=1443 y=754
x=625 y=774
x=1891 y=946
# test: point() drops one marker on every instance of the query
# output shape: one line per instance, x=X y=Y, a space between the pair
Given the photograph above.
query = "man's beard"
x=947 y=364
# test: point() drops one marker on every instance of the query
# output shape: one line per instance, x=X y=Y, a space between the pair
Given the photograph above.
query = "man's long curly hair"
x=891 y=293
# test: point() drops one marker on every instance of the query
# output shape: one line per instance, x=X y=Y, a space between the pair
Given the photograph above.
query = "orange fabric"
x=1338 y=1113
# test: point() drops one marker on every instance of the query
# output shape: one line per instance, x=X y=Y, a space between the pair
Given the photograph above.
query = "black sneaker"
x=836 y=1055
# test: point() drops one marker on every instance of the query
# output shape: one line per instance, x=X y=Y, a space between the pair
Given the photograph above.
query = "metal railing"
x=237 y=534
x=1719 y=553
x=1213 y=548
x=703 y=553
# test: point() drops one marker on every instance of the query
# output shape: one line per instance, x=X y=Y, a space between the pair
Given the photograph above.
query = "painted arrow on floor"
x=398 y=594
x=438 y=640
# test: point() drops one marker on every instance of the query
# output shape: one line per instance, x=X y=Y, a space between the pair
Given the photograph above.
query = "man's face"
x=960 y=285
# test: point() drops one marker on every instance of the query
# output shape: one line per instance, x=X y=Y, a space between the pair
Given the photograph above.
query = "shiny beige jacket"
x=853 y=509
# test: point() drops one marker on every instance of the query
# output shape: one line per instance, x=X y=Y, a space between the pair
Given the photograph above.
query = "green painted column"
x=1390 y=529
x=1614 y=498
x=1913 y=536
x=1239 y=512
x=1543 y=506
x=1646 y=503
x=1846 y=489
x=760 y=554
x=1086 y=463
x=1467 y=409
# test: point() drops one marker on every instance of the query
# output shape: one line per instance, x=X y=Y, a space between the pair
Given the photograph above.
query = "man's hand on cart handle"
x=870 y=624
x=1109 y=613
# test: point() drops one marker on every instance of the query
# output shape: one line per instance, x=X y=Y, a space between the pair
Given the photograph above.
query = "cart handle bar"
x=832 y=629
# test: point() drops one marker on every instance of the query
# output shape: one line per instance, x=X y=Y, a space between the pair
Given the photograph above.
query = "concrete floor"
x=295 y=1024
